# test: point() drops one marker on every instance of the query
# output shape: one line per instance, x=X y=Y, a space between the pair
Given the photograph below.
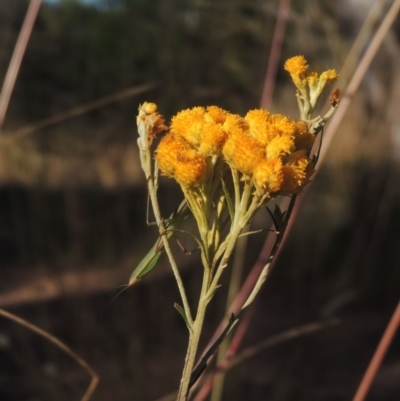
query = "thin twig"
x=234 y=287
x=253 y=350
x=279 y=338
x=359 y=44
x=95 y=379
x=275 y=53
x=379 y=354
x=16 y=59
x=80 y=110
x=229 y=350
x=359 y=75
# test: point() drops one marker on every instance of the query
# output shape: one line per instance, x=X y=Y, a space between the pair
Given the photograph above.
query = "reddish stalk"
x=379 y=354
x=16 y=59
x=275 y=54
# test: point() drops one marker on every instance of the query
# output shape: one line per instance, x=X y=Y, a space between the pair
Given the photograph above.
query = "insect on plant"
x=147 y=264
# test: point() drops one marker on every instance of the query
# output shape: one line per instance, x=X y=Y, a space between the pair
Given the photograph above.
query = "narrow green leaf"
x=181 y=311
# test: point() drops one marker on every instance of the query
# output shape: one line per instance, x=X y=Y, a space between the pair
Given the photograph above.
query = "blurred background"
x=73 y=199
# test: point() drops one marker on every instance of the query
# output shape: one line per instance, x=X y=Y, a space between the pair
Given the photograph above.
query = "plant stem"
x=152 y=181
x=194 y=338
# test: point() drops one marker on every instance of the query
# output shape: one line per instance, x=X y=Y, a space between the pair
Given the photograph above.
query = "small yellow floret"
x=217 y=114
x=296 y=173
x=279 y=146
x=259 y=125
x=234 y=127
x=166 y=154
x=296 y=65
x=317 y=83
x=234 y=124
x=190 y=168
x=243 y=152
x=268 y=175
x=176 y=158
x=329 y=76
x=213 y=138
x=149 y=108
x=189 y=124
x=248 y=153
x=265 y=126
x=283 y=125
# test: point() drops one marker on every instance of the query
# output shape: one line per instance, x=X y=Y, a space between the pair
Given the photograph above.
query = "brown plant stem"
x=82 y=109
x=233 y=360
x=358 y=75
x=275 y=53
x=378 y=356
x=234 y=287
x=16 y=59
x=95 y=379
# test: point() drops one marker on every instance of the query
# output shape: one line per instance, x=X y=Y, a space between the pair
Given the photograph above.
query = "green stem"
x=194 y=338
x=265 y=271
x=146 y=162
x=234 y=287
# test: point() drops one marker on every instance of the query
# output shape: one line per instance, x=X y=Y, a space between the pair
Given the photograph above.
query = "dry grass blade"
x=274 y=56
x=16 y=59
x=95 y=379
x=360 y=44
x=82 y=109
x=359 y=75
x=280 y=338
x=379 y=354
x=247 y=353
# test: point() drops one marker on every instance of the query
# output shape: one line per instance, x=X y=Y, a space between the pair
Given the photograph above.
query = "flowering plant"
x=228 y=167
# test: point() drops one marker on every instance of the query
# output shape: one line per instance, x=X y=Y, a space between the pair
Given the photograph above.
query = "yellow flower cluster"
x=315 y=83
x=270 y=149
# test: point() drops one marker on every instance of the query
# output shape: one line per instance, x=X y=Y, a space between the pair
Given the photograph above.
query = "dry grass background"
x=72 y=199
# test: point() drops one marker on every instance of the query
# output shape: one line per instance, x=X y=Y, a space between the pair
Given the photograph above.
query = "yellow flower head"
x=279 y=146
x=243 y=152
x=310 y=85
x=213 y=138
x=329 y=76
x=234 y=126
x=265 y=126
x=268 y=175
x=190 y=168
x=317 y=83
x=189 y=124
x=176 y=158
x=297 y=67
x=259 y=125
x=282 y=125
x=217 y=114
x=296 y=173
x=166 y=154
x=202 y=129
